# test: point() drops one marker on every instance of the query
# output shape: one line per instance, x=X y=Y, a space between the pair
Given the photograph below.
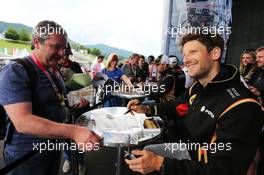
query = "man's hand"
x=133 y=104
x=254 y=90
x=30 y=124
x=83 y=102
x=85 y=139
x=146 y=163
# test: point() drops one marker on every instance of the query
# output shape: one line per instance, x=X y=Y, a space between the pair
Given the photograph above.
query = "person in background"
x=256 y=85
x=68 y=67
x=71 y=72
x=174 y=62
x=179 y=75
x=153 y=72
x=117 y=75
x=166 y=81
x=113 y=72
x=130 y=69
x=248 y=64
x=142 y=73
x=97 y=67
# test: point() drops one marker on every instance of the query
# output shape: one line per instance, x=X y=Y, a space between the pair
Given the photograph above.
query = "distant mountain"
x=106 y=50
x=5 y=25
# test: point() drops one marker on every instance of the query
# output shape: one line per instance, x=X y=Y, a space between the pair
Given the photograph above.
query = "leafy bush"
x=95 y=51
x=11 y=34
x=24 y=35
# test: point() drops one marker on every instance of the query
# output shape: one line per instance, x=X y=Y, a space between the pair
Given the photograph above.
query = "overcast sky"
x=133 y=25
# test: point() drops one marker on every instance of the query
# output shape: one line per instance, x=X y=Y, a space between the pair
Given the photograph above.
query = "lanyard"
x=57 y=74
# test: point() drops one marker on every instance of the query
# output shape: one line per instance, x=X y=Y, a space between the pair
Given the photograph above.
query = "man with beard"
x=165 y=89
x=36 y=112
x=130 y=69
x=256 y=83
x=222 y=127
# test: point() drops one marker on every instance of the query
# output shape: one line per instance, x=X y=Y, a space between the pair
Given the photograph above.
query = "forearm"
x=41 y=127
x=126 y=80
x=24 y=122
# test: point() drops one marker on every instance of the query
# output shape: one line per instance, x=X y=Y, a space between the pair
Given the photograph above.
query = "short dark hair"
x=44 y=29
x=208 y=40
x=151 y=58
x=134 y=55
x=100 y=56
x=158 y=59
x=142 y=56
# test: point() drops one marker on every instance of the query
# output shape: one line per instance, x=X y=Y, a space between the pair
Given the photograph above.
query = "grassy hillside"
x=105 y=49
x=13 y=44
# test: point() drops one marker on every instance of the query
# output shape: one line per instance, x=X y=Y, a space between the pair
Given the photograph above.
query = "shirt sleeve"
x=120 y=73
x=127 y=70
x=14 y=84
x=103 y=71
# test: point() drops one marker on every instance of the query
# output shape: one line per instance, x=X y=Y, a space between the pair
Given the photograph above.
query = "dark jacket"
x=75 y=67
x=180 y=79
x=223 y=113
x=142 y=73
x=248 y=71
x=257 y=80
x=166 y=87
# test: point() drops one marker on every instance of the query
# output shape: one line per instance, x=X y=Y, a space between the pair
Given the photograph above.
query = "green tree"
x=11 y=33
x=24 y=35
x=88 y=50
x=95 y=51
x=82 y=47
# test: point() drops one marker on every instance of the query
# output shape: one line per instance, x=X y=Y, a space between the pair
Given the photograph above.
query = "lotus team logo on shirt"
x=210 y=113
x=202 y=109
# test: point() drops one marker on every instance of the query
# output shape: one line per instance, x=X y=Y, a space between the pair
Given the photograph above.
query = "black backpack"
x=6 y=126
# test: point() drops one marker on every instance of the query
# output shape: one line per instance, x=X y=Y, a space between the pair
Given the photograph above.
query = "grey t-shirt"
x=129 y=71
